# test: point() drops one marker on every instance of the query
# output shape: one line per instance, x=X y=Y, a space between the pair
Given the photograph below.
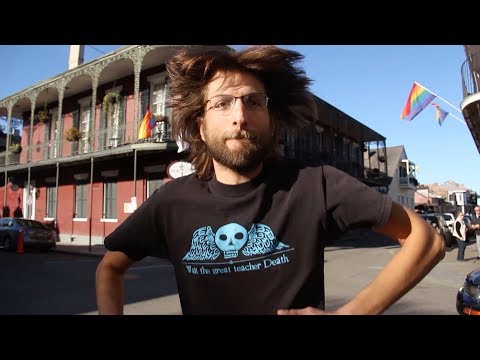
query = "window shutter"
x=60 y=138
x=102 y=138
x=46 y=142
x=121 y=120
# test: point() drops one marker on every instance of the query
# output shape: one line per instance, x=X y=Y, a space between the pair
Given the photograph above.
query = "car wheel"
x=8 y=244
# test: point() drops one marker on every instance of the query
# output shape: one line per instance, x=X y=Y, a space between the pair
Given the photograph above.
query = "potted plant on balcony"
x=72 y=134
x=15 y=148
x=44 y=115
x=110 y=99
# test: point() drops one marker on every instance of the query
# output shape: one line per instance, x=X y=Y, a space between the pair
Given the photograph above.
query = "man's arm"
x=109 y=282
x=422 y=248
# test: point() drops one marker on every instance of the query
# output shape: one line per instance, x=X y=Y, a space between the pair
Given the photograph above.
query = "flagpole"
x=439 y=97
x=463 y=122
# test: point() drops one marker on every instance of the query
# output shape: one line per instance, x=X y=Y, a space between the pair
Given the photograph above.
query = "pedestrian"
x=246 y=231
x=460 y=234
x=476 y=227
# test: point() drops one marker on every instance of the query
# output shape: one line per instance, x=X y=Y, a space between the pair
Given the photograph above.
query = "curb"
x=74 y=251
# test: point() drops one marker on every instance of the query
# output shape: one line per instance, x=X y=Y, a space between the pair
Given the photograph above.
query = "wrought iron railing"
x=98 y=140
x=471 y=75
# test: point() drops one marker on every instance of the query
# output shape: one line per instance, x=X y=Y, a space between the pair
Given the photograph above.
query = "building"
x=455 y=197
x=401 y=174
x=427 y=200
x=470 y=105
x=80 y=165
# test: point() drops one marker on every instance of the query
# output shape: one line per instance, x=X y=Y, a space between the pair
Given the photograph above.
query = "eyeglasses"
x=223 y=104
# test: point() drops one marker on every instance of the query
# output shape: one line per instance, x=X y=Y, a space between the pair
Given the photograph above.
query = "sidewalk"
x=94 y=250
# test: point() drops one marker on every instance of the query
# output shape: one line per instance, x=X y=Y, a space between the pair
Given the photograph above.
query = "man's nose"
x=239 y=112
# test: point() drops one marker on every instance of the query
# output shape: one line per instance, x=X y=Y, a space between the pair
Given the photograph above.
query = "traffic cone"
x=20 y=244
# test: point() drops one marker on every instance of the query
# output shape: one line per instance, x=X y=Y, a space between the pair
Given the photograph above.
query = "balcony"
x=407 y=182
x=101 y=142
x=471 y=92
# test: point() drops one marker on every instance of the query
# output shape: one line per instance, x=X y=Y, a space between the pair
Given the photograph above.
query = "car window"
x=6 y=222
x=447 y=217
x=432 y=219
x=31 y=224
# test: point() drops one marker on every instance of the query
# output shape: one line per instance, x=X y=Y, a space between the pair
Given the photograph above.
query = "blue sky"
x=368 y=82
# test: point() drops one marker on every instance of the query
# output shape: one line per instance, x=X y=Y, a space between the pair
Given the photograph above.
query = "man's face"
x=237 y=132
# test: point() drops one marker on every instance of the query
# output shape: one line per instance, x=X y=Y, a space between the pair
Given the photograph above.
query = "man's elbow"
x=438 y=246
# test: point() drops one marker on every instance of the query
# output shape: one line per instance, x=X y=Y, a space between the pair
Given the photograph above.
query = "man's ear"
x=200 y=127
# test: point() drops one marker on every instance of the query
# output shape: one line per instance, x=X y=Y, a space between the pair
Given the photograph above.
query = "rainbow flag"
x=418 y=100
x=146 y=126
x=440 y=114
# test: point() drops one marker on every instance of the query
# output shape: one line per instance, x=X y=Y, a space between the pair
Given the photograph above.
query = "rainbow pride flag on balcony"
x=440 y=114
x=146 y=126
x=418 y=100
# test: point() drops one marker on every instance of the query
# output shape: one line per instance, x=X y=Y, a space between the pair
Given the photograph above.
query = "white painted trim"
x=80 y=219
x=109 y=220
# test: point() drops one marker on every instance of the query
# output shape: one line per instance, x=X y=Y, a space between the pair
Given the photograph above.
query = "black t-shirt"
x=251 y=248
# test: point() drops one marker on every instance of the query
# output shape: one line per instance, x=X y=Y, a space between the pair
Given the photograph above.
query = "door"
x=29 y=201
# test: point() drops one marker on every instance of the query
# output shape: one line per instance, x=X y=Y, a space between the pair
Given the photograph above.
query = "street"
x=56 y=283
x=352 y=264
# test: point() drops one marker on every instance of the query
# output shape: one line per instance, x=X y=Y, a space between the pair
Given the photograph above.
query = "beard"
x=250 y=150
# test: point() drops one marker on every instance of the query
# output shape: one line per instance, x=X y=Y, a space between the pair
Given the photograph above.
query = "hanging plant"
x=15 y=148
x=110 y=99
x=44 y=115
x=72 y=134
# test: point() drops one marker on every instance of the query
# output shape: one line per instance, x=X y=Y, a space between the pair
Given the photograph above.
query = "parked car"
x=468 y=296
x=438 y=222
x=470 y=232
x=35 y=234
x=449 y=219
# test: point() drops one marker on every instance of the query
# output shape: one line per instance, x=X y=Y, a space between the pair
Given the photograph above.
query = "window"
x=154 y=181
x=81 y=199
x=112 y=120
x=84 y=126
x=110 y=198
x=158 y=98
x=51 y=201
x=159 y=91
x=53 y=134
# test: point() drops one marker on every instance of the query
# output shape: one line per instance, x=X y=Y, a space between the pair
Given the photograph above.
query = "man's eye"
x=221 y=104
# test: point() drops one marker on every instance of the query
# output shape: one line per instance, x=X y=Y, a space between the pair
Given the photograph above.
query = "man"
x=476 y=226
x=246 y=232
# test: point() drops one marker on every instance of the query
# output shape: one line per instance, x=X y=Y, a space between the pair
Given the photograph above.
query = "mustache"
x=239 y=135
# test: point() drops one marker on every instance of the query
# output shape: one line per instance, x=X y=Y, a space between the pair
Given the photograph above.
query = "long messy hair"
x=291 y=105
